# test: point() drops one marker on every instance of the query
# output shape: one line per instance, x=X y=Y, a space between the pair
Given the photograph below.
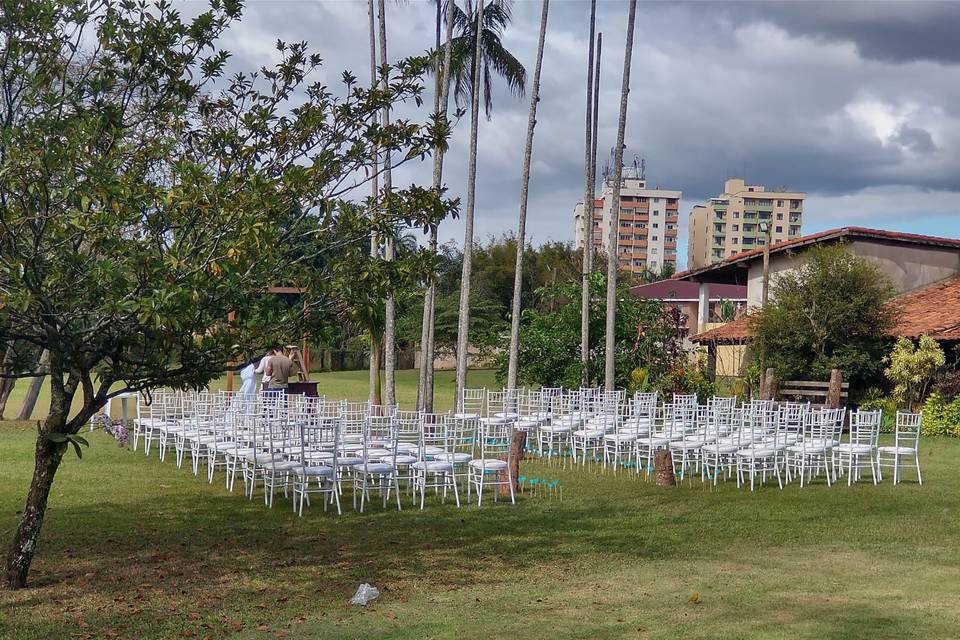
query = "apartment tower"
x=647 y=233
x=739 y=220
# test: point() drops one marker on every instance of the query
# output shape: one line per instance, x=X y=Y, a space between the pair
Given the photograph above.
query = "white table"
x=124 y=399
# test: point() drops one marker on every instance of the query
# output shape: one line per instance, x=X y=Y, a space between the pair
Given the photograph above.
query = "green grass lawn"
x=135 y=549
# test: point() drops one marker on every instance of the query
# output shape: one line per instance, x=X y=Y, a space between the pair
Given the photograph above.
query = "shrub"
x=947 y=384
x=912 y=369
x=873 y=400
x=940 y=417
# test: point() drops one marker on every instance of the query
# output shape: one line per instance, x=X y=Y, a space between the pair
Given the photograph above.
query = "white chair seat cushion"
x=466 y=416
x=654 y=441
x=495 y=420
x=620 y=437
x=376 y=467
x=506 y=416
x=405 y=447
x=400 y=458
x=721 y=448
x=810 y=446
x=556 y=428
x=433 y=466
x=377 y=453
x=348 y=461
x=686 y=444
x=321 y=471
x=588 y=433
x=847 y=447
x=897 y=450
x=757 y=452
x=527 y=425
x=488 y=463
x=285 y=465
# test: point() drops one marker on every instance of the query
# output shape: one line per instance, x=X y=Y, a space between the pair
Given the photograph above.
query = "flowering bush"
x=112 y=427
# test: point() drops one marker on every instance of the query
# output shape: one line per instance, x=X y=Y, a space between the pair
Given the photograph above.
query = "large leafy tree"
x=144 y=197
x=830 y=313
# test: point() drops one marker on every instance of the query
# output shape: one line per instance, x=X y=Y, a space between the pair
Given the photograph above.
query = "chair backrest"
x=473 y=400
x=407 y=426
x=865 y=427
x=908 y=429
x=432 y=433
x=494 y=440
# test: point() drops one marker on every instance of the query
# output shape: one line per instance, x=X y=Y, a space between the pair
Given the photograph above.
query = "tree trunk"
x=390 y=313
x=376 y=393
x=612 y=253
x=24 y=543
x=6 y=384
x=463 y=320
x=374 y=193
x=33 y=391
x=46 y=461
x=663 y=468
x=441 y=95
x=517 y=446
x=588 y=197
x=524 y=193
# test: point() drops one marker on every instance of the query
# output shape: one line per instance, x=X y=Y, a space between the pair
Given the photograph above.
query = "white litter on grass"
x=365 y=593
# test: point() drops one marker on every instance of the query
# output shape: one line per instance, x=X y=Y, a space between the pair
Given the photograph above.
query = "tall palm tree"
x=588 y=195
x=390 y=319
x=496 y=15
x=463 y=324
x=375 y=396
x=440 y=102
x=612 y=253
x=524 y=192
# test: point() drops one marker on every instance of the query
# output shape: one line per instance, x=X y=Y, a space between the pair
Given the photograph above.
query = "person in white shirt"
x=248 y=380
x=262 y=367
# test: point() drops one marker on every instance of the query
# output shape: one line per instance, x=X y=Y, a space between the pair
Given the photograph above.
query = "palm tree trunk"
x=463 y=324
x=33 y=391
x=390 y=318
x=524 y=192
x=612 y=253
x=593 y=152
x=588 y=194
x=374 y=194
x=440 y=101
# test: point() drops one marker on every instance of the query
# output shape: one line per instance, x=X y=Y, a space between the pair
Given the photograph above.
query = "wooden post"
x=768 y=388
x=663 y=468
x=835 y=390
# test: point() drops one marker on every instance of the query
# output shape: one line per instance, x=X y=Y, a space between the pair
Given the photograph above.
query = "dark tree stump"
x=517 y=445
x=663 y=468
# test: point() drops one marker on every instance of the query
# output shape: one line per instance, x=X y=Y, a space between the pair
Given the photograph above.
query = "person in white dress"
x=248 y=381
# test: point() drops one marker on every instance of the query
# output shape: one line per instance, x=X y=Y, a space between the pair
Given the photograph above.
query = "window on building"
x=779 y=216
x=655 y=200
x=656 y=225
x=779 y=203
x=654 y=238
x=736 y=214
x=735 y=241
x=779 y=229
x=736 y=227
x=654 y=250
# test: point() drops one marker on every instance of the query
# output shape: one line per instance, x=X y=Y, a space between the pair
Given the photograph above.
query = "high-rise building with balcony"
x=647 y=233
x=736 y=221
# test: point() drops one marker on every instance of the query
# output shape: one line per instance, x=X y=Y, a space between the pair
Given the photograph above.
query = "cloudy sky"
x=857 y=104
